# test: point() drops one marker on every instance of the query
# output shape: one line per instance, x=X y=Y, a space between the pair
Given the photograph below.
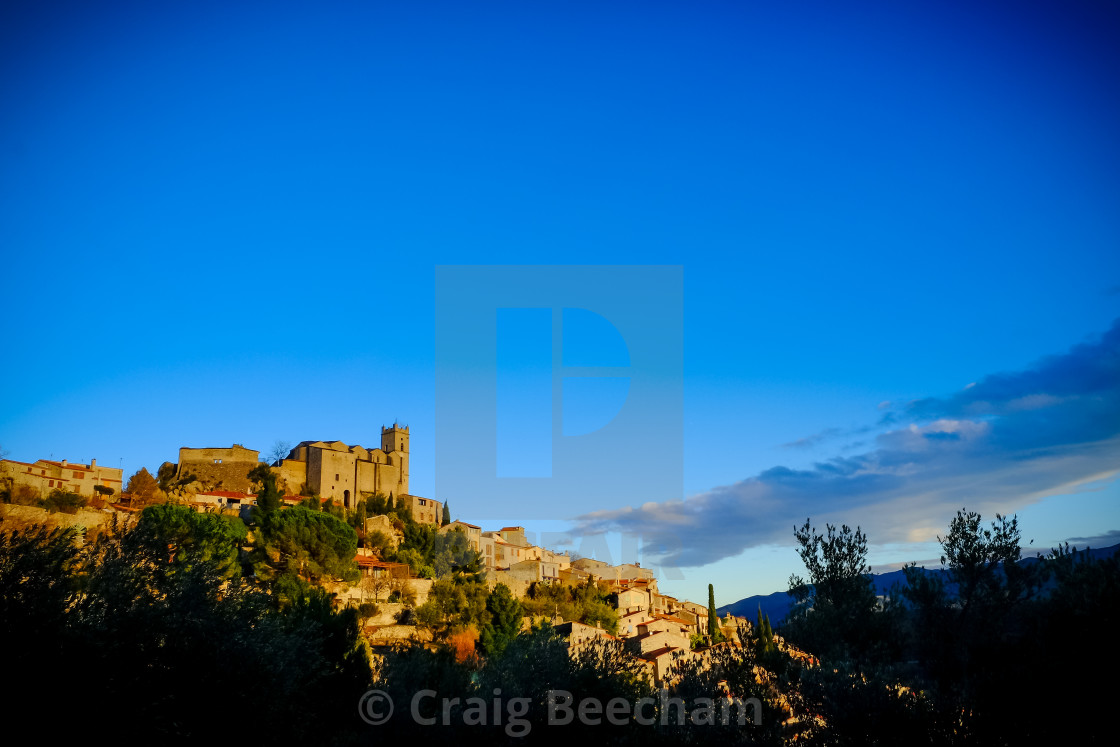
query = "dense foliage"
x=588 y=603
x=153 y=629
x=177 y=626
x=954 y=657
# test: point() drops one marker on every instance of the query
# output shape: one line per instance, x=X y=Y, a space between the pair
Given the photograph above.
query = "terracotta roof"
x=651 y=655
x=366 y=561
x=13 y=461
x=512 y=529
x=672 y=619
x=68 y=465
x=226 y=494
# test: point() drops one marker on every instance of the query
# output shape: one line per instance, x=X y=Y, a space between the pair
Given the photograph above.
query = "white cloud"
x=1001 y=444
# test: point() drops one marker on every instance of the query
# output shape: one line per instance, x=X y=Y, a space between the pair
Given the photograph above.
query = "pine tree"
x=268 y=494
x=504 y=621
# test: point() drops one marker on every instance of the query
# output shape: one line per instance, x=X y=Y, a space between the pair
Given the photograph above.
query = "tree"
x=453 y=606
x=960 y=636
x=279 y=451
x=25 y=495
x=839 y=575
x=446 y=515
x=453 y=556
x=268 y=494
x=165 y=634
x=379 y=542
x=504 y=622
x=312 y=545
x=377 y=585
x=35 y=588
x=713 y=618
x=189 y=538
x=977 y=625
x=983 y=562
x=64 y=501
x=834 y=614
x=142 y=487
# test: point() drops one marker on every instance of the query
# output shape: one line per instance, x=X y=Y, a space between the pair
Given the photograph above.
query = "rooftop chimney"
x=92 y=463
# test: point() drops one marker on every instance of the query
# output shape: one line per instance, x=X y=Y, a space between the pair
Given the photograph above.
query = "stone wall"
x=332 y=474
x=385 y=526
x=518 y=586
x=87 y=518
x=291 y=475
x=219 y=468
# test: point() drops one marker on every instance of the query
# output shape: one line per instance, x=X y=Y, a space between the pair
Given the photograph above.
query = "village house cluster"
x=654 y=627
x=46 y=475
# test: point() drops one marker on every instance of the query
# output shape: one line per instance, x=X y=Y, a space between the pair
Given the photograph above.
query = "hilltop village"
x=388 y=579
x=286 y=588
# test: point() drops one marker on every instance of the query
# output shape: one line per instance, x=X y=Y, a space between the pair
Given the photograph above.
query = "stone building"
x=424 y=510
x=46 y=475
x=331 y=469
x=335 y=470
x=218 y=468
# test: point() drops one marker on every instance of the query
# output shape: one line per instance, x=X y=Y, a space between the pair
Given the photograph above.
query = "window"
x=423 y=502
x=50 y=484
x=77 y=475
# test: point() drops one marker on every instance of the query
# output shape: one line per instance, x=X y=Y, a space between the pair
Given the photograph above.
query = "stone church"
x=335 y=470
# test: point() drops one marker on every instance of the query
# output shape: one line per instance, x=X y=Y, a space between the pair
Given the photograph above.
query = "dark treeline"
x=996 y=651
x=186 y=627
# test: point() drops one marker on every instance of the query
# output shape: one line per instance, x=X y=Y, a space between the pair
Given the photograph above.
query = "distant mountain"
x=777 y=605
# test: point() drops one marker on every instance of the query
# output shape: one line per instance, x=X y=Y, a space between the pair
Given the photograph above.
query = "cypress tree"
x=713 y=619
x=446 y=515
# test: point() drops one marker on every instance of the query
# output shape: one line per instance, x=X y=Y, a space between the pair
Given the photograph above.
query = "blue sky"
x=219 y=222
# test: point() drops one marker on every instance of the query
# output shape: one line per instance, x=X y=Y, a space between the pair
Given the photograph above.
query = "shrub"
x=64 y=501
